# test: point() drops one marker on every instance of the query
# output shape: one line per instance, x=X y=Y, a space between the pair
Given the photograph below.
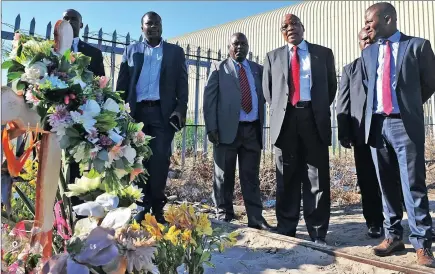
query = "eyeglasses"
x=292 y=23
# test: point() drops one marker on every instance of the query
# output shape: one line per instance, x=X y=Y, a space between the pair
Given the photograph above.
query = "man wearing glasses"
x=299 y=83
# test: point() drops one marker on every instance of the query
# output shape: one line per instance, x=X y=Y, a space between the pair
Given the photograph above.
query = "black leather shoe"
x=264 y=225
x=374 y=232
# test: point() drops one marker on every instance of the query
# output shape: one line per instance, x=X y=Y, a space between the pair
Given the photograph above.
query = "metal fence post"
x=195 y=134
x=112 y=60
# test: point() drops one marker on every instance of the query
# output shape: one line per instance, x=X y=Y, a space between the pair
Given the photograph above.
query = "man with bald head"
x=234 y=114
x=97 y=64
x=299 y=83
x=350 y=113
x=400 y=73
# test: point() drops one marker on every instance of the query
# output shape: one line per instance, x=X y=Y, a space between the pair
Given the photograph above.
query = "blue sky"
x=179 y=17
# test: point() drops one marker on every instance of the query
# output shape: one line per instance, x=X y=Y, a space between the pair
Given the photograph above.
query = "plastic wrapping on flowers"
x=94 y=128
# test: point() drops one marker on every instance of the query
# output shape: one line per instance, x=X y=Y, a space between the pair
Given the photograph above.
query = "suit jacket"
x=97 y=64
x=222 y=99
x=350 y=103
x=323 y=90
x=415 y=82
x=173 y=78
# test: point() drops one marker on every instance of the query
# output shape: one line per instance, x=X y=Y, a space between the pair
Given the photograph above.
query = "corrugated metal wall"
x=334 y=24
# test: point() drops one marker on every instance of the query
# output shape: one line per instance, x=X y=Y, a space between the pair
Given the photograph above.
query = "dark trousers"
x=247 y=148
x=158 y=165
x=302 y=158
x=368 y=183
x=392 y=151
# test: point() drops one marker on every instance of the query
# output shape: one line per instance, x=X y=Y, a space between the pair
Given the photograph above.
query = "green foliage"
x=190 y=137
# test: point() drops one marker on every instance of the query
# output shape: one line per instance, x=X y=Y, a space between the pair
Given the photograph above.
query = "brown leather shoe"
x=425 y=257
x=388 y=246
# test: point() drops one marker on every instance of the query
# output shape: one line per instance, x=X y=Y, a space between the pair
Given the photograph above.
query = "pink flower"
x=103 y=81
x=17 y=36
x=30 y=98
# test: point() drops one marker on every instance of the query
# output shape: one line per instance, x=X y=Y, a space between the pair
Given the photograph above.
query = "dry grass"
x=195 y=181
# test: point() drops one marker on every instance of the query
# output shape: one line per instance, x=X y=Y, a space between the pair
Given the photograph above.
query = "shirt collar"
x=76 y=40
x=244 y=62
x=302 y=45
x=395 y=38
x=158 y=46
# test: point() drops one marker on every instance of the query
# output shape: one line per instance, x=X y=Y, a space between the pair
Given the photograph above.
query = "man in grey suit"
x=234 y=115
x=350 y=114
x=299 y=83
x=153 y=75
x=400 y=70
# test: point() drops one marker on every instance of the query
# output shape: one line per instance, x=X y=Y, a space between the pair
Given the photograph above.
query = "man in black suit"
x=153 y=75
x=350 y=114
x=97 y=64
x=299 y=83
x=234 y=115
x=400 y=71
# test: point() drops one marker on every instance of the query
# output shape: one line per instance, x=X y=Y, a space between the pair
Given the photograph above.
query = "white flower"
x=90 y=209
x=108 y=201
x=114 y=135
x=139 y=159
x=80 y=152
x=127 y=108
x=111 y=105
x=34 y=72
x=129 y=153
x=91 y=108
x=87 y=121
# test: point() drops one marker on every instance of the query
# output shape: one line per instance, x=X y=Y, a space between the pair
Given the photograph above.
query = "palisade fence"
x=192 y=140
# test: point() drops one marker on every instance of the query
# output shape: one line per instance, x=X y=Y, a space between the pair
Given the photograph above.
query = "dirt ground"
x=347 y=232
x=255 y=254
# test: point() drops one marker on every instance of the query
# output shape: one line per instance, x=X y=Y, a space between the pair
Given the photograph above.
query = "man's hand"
x=180 y=119
x=345 y=143
x=213 y=136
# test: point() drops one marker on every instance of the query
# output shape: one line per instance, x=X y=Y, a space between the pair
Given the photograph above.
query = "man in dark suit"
x=153 y=75
x=400 y=70
x=350 y=113
x=299 y=83
x=234 y=115
x=97 y=64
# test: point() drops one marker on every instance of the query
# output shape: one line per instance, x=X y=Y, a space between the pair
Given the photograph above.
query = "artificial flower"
x=103 y=81
x=111 y=105
x=129 y=153
x=151 y=225
x=172 y=235
x=186 y=238
x=203 y=226
x=83 y=185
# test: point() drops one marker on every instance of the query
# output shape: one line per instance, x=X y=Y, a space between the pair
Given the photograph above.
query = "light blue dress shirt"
x=253 y=115
x=148 y=84
x=378 y=106
x=304 y=69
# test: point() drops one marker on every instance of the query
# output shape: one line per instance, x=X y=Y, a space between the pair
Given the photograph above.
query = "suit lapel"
x=403 y=44
x=284 y=56
x=314 y=64
x=374 y=53
x=233 y=72
x=166 y=52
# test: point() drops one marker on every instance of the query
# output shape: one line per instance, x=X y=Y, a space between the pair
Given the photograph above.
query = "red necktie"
x=386 y=80
x=295 y=86
x=245 y=89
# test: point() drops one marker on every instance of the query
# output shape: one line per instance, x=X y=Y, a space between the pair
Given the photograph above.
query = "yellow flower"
x=172 y=235
x=229 y=241
x=187 y=218
x=172 y=215
x=187 y=238
x=151 y=225
x=233 y=237
x=203 y=226
x=135 y=226
x=33 y=182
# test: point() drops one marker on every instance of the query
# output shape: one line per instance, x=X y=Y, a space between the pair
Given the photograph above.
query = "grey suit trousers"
x=247 y=148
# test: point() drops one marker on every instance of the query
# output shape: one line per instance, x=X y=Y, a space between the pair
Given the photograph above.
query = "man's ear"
x=303 y=28
x=81 y=25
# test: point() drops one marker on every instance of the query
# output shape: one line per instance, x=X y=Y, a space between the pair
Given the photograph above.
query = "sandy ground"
x=347 y=232
x=255 y=254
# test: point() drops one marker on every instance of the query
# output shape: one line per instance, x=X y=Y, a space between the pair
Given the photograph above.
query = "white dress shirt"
x=75 y=44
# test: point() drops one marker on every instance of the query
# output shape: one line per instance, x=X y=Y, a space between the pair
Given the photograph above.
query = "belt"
x=150 y=103
x=391 y=116
x=303 y=104
x=249 y=122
